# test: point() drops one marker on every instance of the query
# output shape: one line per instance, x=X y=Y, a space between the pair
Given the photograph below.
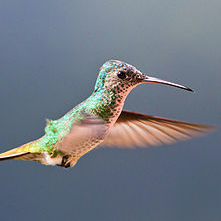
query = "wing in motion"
x=83 y=134
x=135 y=129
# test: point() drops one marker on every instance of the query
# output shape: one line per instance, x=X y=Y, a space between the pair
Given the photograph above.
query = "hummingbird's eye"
x=121 y=74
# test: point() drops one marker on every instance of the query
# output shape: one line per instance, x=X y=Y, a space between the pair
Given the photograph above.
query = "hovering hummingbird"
x=100 y=119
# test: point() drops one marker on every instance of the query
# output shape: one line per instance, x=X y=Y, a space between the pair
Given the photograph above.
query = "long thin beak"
x=148 y=79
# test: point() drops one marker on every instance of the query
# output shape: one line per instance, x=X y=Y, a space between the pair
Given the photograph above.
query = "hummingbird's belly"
x=81 y=149
x=78 y=151
x=71 y=158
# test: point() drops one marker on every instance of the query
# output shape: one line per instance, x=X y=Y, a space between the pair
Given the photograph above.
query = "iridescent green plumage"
x=100 y=119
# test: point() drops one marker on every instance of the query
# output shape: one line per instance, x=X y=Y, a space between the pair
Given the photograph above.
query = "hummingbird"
x=101 y=120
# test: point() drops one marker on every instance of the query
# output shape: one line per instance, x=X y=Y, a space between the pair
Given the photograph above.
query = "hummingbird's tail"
x=23 y=152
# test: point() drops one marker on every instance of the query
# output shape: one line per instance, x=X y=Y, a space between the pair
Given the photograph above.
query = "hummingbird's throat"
x=110 y=102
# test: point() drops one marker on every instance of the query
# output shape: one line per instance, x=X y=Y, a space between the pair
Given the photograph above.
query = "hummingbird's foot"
x=67 y=161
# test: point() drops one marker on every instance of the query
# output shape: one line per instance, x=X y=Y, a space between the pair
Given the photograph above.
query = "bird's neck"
x=106 y=104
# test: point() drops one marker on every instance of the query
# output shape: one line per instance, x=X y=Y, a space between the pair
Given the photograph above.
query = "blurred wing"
x=135 y=129
x=84 y=132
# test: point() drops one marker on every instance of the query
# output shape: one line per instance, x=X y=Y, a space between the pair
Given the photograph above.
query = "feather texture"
x=140 y=130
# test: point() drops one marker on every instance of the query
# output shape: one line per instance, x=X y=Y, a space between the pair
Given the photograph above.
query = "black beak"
x=147 y=79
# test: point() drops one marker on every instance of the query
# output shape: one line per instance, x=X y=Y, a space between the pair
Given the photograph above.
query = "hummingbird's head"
x=121 y=78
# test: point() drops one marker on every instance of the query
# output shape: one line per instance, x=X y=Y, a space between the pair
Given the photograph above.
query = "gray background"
x=50 y=54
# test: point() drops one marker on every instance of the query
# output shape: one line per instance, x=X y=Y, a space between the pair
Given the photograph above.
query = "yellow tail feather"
x=12 y=154
x=20 y=153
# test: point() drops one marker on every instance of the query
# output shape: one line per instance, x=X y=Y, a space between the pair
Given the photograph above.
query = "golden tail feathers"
x=21 y=153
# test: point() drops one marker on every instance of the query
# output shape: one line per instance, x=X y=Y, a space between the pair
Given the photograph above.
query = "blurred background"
x=50 y=54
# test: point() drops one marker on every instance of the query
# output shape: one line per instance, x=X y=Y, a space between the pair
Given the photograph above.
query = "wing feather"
x=139 y=130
